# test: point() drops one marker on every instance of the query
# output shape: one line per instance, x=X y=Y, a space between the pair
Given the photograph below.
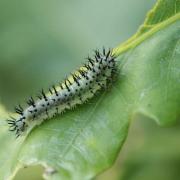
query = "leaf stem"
x=133 y=41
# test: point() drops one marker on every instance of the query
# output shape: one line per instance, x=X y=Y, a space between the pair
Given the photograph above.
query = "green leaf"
x=164 y=10
x=83 y=142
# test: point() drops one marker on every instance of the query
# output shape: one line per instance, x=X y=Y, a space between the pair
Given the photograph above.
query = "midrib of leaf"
x=134 y=41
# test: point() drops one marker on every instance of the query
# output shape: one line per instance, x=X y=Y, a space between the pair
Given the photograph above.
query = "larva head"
x=18 y=126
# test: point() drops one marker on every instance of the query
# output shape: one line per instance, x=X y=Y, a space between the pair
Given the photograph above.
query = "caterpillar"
x=95 y=75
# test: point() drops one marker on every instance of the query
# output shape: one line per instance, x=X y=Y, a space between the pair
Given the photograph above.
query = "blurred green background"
x=42 y=41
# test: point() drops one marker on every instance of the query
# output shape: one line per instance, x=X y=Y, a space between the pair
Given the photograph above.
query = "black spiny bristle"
x=55 y=90
x=104 y=51
x=91 y=61
x=97 y=59
x=31 y=102
x=69 y=82
x=75 y=79
x=50 y=91
x=108 y=53
x=82 y=73
x=87 y=66
x=44 y=95
x=12 y=124
x=97 y=54
x=61 y=86
x=17 y=133
x=19 y=109
x=65 y=82
x=39 y=96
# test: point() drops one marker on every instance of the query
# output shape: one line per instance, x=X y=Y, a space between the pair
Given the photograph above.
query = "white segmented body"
x=77 y=89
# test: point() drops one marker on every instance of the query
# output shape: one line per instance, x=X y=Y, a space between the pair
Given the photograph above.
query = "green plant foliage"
x=83 y=142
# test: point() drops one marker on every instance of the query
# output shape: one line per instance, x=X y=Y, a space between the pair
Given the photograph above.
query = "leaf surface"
x=83 y=142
